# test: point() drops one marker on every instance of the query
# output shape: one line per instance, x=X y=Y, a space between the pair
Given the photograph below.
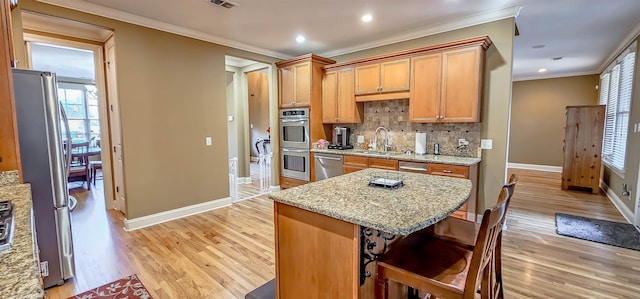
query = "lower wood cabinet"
x=387 y=164
x=290 y=183
x=468 y=210
x=355 y=163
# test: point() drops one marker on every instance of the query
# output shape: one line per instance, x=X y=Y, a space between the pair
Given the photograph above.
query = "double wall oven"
x=294 y=143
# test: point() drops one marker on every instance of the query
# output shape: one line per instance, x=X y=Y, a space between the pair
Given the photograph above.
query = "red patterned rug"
x=126 y=288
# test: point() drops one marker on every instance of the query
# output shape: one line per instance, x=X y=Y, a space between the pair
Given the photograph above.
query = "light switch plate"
x=208 y=141
x=230 y=118
x=486 y=143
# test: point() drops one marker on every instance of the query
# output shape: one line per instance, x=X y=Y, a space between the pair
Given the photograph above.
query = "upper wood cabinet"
x=446 y=85
x=300 y=81
x=295 y=85
x=426 y=87
x=338 y=99
x=378 y=80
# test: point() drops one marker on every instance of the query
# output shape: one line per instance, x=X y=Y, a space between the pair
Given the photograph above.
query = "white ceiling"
x=584 y=32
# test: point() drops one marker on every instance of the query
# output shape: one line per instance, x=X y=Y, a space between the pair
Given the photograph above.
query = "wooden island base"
x=316 y=252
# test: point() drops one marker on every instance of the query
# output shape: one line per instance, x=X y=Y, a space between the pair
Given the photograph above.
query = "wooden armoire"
x=583 y=147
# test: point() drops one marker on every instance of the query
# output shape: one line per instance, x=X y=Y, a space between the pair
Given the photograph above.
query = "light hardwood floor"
x=228 y=252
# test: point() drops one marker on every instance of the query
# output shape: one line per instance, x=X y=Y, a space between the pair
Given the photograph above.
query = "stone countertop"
x=451 y=160
x=19 y=265
x=422 y=201
x=9 y=178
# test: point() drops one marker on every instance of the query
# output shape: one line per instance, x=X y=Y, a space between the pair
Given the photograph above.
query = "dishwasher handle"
x=329 y=158
x=412 y=168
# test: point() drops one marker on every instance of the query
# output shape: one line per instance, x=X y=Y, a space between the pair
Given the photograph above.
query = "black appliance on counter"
x=341 y=137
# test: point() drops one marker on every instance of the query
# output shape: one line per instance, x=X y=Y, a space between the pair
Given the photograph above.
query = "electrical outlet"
x=208 y=141
x=486 y=143
x=360 y=139
x=44 y=268
x=462 y=142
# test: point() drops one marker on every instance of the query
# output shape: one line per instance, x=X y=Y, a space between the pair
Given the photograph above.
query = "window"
x=616 y=84
x=80 y=103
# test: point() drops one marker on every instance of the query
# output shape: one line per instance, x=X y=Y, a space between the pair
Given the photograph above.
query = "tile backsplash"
x=394 y=116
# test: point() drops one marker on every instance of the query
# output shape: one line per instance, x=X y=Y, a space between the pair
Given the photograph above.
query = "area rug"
x=125 y=288
x=602 y=231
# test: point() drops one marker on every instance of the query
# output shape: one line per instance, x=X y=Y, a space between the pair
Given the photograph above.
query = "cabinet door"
x=455 y=171
x=302 y=84
x=394 y=75
x=424 y=99
x=367 y=79
x=330 y=97
x=348 y=109
x=285 y=86
x=461 y=92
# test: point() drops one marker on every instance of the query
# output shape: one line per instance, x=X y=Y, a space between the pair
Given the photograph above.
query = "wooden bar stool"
x=448 y=269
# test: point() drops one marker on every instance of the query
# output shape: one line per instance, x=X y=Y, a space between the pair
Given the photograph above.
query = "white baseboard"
x=547 y=168
x=246 y=180
x=153 y=219
x=274 y=188
x=624 y=210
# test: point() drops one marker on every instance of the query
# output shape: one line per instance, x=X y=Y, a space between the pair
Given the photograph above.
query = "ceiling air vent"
x=224 y=3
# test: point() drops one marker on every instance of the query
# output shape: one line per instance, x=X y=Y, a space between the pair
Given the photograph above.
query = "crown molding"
x=552 y=76
x=633 y=34
x=119 y=15
x=477 y=19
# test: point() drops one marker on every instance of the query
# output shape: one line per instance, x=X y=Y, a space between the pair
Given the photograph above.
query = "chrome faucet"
x=386 y=146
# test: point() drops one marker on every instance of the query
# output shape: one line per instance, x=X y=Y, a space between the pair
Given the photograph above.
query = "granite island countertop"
x=451 y=160
x=19 y=265
x=422 y=201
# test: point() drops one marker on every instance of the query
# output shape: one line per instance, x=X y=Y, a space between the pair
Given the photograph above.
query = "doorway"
x=249 y=145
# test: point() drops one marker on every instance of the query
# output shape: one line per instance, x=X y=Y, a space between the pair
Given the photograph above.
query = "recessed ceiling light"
x=542 y=70
x=367 y=18
x=300 y=38
x=538 y=46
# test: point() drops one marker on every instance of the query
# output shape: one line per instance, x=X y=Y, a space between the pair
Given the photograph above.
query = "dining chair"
x=448 y=269
x=94 y=166
x=79 y=170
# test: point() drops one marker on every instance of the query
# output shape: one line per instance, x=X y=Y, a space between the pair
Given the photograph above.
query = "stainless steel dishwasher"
x=328 y=165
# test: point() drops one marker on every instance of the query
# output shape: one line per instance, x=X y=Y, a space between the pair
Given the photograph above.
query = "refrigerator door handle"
x=65 y=242
x=67 y=166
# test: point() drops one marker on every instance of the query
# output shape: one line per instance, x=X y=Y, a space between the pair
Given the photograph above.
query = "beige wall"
x=171 y=90
x=632 y=163
x=496 y=98
x=538 y=116
x=258 y=84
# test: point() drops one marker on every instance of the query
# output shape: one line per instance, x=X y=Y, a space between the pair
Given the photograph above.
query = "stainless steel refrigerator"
x=40 y=120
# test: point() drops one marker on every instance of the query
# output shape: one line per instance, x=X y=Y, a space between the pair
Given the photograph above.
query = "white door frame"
x=115 y=127
x=102 y=102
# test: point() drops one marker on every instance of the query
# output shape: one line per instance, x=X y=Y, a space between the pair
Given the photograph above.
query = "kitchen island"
x=329 y=233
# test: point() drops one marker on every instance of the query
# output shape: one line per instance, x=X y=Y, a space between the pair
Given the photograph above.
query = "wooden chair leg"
x=88 y=179
x=382 y=288
x=498 y=267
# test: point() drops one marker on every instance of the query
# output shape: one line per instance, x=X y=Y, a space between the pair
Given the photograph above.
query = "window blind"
x=616 y=88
